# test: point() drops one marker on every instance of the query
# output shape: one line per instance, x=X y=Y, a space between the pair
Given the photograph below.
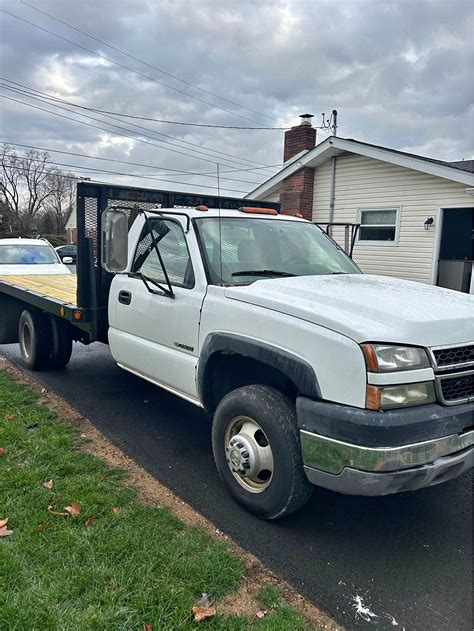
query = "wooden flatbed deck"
x=62 y=287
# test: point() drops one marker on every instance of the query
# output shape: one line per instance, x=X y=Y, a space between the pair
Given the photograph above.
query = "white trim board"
x=335 y=146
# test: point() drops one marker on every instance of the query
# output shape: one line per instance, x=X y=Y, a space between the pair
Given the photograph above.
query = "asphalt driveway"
x=399 y=561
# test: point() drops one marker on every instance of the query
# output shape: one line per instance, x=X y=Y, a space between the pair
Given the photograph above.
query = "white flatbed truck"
x=314 y=373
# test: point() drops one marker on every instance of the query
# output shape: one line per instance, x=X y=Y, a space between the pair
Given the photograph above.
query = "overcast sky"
x=398 y=72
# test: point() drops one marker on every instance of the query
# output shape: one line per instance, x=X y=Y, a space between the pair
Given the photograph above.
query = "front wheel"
x=257 y=451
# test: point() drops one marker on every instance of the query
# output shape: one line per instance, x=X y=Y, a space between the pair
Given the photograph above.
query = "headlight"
x=387 y=397
x=391 y=358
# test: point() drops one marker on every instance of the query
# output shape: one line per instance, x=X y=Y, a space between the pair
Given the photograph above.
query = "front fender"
x=298 y=370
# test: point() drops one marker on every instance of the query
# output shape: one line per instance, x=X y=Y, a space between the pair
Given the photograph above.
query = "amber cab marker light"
x=202 y=208
x=258 y=211
x=370 y=357
x=62 y=311
x=373 y=398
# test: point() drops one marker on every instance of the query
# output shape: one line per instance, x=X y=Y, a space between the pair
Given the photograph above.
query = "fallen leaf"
x=48 y=485
x=204 y=601
x=57 y=513
x=3 y=522
x=2 y=451
x=83 y=435
x=4 y=532
x=90 y=521
x=44 y=390
x=201 y=613
x=147 y=627
x=39 y=528
x=115 y=509
x=74 y=509
x=9 y=417
x=262 y=613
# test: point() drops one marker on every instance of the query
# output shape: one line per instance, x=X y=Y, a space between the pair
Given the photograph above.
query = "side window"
x=172 y=245
x=379 y=224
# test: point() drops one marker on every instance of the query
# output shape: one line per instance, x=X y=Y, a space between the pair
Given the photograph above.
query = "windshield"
x=27 y=255
x=252 y=249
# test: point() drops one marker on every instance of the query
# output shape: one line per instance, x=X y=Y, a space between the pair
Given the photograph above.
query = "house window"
x=378 y=224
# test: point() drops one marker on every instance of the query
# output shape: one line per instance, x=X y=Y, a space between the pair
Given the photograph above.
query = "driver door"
x=154 y=335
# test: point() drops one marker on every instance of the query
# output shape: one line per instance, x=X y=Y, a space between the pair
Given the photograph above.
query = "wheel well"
x=227 y=371
x=10 y=312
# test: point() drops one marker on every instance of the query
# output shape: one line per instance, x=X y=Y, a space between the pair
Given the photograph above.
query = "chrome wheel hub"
x=249 y=454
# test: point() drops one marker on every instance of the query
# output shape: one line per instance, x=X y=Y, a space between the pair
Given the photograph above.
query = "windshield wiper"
x=262 y=272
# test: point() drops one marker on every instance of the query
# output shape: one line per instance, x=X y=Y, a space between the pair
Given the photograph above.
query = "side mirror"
x=114 y=240
x=67 y=260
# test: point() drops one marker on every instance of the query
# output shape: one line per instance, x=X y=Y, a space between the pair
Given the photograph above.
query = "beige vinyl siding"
x=367 y=183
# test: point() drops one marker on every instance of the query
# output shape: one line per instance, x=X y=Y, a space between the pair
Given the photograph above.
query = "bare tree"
x=24 y=184
x=36 y=169
x=60 y=202
x=11 y=179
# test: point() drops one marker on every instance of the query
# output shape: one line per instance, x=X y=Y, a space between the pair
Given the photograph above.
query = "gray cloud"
x=399 y=73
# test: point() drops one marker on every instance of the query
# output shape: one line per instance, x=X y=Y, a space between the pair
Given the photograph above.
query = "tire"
x=34 y=335
x=286 y=488
x=61 y=344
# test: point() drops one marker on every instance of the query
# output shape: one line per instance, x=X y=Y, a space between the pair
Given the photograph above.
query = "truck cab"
x=314 y=373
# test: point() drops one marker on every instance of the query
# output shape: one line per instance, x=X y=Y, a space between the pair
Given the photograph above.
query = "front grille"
x=459 y=356
x=458 y=388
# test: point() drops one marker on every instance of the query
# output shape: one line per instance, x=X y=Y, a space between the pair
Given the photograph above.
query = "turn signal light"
x=258 y=211
x=370 y=357
x=77 y=315
x=373 y=398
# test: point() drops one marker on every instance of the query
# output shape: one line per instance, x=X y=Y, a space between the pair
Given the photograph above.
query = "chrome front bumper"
x=332 y=456
x=359 y=470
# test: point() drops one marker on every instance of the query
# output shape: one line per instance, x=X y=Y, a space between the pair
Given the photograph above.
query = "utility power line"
x=145 y=63
x=156 y=120
x=148 y=166
x=135 y=138
x=49 y=99
x=138 y=73
x=84 y=155
x=92 y=170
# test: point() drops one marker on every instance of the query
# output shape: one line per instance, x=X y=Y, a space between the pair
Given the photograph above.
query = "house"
x=416 y=214
x=71 y=227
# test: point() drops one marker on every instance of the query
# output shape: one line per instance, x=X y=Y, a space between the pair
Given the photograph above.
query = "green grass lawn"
x=131 y=565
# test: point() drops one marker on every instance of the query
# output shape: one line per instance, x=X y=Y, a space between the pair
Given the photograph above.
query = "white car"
x=29 y=256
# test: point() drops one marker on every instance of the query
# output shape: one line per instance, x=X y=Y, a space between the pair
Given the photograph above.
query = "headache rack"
x=93 y=281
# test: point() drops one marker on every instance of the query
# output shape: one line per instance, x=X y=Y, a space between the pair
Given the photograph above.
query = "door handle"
x=125 y=297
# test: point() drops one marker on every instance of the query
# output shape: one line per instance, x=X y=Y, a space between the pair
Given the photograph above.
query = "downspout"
x=332 y=193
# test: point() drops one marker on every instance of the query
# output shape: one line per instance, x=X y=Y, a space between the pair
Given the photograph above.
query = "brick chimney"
x=297 y=190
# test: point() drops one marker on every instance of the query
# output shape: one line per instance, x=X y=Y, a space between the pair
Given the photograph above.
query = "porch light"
x=428 y=223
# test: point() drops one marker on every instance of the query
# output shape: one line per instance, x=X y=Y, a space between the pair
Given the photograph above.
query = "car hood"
x=366 y=308
x=22 y=270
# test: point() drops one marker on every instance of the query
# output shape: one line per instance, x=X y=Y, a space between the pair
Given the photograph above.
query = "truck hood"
x=367 y=308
